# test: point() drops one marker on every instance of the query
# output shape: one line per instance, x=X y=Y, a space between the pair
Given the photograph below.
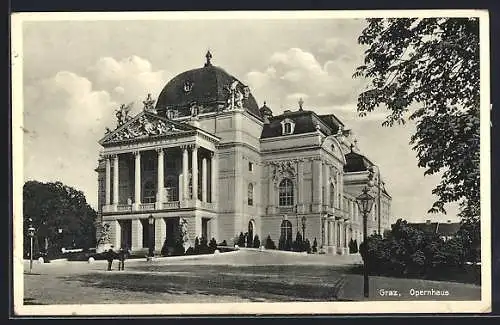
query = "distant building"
x=445 y=231
x=208 y=159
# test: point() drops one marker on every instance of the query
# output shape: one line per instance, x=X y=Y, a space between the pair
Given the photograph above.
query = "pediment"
x=145 y=125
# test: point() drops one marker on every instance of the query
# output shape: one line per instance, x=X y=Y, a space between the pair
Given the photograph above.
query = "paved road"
x=229 y=277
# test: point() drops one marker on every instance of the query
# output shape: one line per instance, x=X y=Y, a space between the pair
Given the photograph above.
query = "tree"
x=241 y=240
x=60 y=207
x=426 y=70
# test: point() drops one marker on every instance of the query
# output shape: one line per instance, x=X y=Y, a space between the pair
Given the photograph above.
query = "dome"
x=265 y=110
x=208 y=87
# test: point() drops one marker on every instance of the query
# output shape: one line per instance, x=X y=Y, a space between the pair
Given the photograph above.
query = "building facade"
x=205 y=159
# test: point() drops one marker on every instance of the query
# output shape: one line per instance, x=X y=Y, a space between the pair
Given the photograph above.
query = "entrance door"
x=204 y=228
x=126 y=233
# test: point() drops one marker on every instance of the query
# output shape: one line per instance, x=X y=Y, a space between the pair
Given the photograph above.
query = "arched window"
x=332 y=195
x=286 y=192
x=286 y=230
x=149 y=192
x=250 y=194
x=172 y=188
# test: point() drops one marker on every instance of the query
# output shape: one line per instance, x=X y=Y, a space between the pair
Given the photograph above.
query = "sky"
x=76 y=73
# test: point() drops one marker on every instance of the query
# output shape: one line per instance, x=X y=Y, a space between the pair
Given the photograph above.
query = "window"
x=286 y=192
x=250 y=167
x=172 y=189
x=332 y=196
x=287 y=126
x=149 y=193
x=149 y=164
x=250 y=194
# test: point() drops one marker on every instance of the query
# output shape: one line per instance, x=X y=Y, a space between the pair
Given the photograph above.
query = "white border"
x=484 y=305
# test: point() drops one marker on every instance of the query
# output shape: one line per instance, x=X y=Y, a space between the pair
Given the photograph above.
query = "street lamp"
x=60 y=238
x=31 y=234
x=365 y=203
x=304 y=228
x=151 y=221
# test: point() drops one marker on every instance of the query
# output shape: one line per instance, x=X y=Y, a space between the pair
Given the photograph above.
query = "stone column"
x=108 y=181
x=328 y=233
x=159 y=183
x=327 y=187
x=115 y=180
x=272 y=191
x=300 y=187
x=317 y=185
x=136 y=234
x=194 y=171
x=213 y=183
x=160 y=233
x=204 y=179
x=117 y=232
x=181 y=188
x=185 y=173
x=137 y=181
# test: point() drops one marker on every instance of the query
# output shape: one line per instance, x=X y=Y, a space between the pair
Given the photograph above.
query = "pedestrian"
x=122 y=256
x=110 y=256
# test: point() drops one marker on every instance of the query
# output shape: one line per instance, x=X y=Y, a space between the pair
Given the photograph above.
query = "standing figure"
x=122 y=256
x=109 y=257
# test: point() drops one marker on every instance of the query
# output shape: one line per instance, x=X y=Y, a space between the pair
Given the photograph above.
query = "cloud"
x=129 y=79
x=65 y=116
x=297 y=71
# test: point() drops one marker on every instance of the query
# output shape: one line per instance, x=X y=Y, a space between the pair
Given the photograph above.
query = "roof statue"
x=149 y=104
x=235 y=99
x=122 y=114
x=301 y=102
x=209 y=57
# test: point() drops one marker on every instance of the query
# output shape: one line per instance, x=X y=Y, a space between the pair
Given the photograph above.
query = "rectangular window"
x=250 y=167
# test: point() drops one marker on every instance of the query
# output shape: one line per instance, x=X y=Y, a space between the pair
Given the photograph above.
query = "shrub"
x=315 y=246
x=190 y=251
x=307 y=246
x=256 y=242
x=224 y=243
x=409 y=251
x=178 y=248
x=241 y=240
x=297 y=245
x=204 y=249
x=270 y=243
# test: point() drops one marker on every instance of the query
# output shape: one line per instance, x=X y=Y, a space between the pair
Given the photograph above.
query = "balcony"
x=287 y=209
x=171 y=205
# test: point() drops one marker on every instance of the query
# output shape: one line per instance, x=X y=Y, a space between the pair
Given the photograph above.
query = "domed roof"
x=265 y=110
x=207 y=87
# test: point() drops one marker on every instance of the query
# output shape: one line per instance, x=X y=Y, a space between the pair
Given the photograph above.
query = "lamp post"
x=304 y=228
x=31 y=234
x=60 y=238
x=151 y=221
x=365 y=203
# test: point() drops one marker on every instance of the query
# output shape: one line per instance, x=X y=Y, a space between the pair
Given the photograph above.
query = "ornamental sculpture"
x=284 y=168
x=235 y=99
x=186 y=242
x=149 y=104
x=143 y=127
x=121 y=113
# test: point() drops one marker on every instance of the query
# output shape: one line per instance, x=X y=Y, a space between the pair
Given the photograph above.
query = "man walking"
x=109 y=257
x=122 y=256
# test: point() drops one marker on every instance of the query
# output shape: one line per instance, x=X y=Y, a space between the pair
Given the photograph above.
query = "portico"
x=169 y=175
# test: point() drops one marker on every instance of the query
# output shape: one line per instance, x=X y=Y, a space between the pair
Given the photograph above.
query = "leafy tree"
x=426 y=70
x=60 y=207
